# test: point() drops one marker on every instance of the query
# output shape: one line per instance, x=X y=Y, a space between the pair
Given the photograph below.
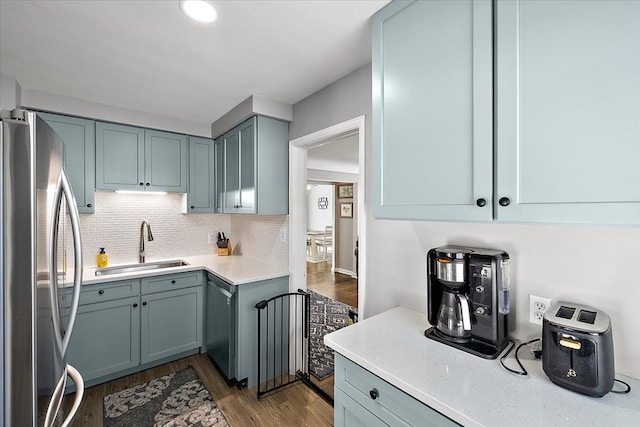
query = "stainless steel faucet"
x=149 y=238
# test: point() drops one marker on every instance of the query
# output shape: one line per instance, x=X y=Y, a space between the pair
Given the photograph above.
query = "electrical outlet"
x=211 y=238
x=537 y=307
x=283 y=235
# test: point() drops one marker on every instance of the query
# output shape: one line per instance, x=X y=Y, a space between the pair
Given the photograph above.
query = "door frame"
x=298 y=202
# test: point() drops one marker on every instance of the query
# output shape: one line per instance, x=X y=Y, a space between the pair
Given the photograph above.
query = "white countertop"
x=234 y=269
x=468 y=389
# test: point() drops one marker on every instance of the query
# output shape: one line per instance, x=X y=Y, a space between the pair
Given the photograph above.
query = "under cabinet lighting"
x=153 y=193
x=199 y=10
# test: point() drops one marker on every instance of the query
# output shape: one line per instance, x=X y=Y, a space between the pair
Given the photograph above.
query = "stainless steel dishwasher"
x=221 y=327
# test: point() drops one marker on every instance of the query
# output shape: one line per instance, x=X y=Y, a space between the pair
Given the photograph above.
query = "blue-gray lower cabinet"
x=129 y=325
x=244 y=325
x=363 y=399
x=106 y=338
x=171 y=323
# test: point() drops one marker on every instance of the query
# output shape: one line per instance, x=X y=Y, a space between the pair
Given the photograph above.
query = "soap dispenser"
x=103 y=258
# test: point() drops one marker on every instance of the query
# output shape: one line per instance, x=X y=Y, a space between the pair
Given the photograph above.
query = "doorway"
x=302 y=172
x=298 y=178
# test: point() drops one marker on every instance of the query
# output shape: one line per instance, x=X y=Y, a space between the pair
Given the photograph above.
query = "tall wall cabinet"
x=79 y=156
x=256 y=167
x=508 y=110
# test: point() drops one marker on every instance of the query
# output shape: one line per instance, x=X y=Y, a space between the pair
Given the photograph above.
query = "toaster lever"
x=575 y=345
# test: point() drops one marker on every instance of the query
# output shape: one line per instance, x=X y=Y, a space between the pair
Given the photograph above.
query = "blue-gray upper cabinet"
x=219 y=174
x=432 y=110
x=131 y=158
x=201 y=197
x=568 y=111
x=256 y=167
x=79 y=156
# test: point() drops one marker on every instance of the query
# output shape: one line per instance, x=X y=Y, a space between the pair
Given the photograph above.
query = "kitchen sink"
x=132 y=268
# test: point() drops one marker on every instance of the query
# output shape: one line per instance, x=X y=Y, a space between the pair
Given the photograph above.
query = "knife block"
x=225 y=251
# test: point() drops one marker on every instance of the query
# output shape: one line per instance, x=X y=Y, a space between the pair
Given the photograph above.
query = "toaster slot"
x=586 y=316
x=565 y=312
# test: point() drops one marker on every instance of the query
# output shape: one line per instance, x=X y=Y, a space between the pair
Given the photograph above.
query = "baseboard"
x=347 y=272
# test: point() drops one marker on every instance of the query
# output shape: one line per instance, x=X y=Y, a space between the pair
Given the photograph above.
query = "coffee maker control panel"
x=481 y=297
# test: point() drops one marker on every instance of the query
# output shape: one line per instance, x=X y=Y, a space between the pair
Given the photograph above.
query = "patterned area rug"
x=326 y=316
x=178 y=399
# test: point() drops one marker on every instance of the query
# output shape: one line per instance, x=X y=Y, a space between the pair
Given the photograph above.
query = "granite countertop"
x=233 y=269
x=468 y=389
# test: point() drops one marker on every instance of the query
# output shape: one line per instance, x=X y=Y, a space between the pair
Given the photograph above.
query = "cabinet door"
x=119 y=157
x=165 y=161
x=231 y=172
x=171 y=323
x=568 y=109
x=432 y=110
x=349 y=413
x=201 y=195
x=248 y=187
x=106 y=338
x=219 y=175
x=79 y=156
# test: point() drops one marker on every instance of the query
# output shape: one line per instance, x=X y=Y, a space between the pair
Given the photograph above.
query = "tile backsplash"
x=116 y=227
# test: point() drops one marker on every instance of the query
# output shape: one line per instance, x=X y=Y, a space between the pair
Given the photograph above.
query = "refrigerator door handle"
x=64 y=188
x=56 y=400
x=77 y=266
x=79 y=382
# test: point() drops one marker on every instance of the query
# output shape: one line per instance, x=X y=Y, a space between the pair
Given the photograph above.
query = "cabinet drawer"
x=101 y=292
x=171 y=281
x=391 y=405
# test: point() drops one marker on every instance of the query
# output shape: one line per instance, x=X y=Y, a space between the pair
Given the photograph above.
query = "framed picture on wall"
x=345 y=191
x=346 y=210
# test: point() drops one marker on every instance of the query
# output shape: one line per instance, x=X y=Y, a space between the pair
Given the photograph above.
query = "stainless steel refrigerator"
x=35 y=191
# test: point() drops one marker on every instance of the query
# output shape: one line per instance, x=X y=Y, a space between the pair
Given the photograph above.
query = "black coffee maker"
x=468 y=299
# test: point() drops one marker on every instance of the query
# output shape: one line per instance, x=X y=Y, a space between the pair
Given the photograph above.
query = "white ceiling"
x=147 y=56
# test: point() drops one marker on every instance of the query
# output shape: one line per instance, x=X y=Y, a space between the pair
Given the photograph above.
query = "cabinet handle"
x=504 y=201
x=148 y=184
x=142 y=183
x=88 y=205
x=173 y=282
x=101 y=291
x=135 y=304
x=144 y=303
x=481 y=202
x=374 y=393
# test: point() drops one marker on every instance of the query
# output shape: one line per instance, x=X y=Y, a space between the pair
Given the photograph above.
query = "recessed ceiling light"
x=199 y=10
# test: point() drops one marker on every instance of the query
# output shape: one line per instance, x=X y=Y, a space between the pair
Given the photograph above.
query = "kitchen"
x=590 y=264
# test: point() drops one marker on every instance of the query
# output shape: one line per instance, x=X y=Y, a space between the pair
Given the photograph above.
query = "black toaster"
x=577 y=348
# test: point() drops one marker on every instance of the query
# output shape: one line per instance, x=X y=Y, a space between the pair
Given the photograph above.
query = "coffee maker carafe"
x=468 y=299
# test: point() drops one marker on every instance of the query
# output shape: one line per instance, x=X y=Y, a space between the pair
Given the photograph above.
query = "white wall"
x=318 y=219
x=10 y=92
x=40 y=100
x=594 y=265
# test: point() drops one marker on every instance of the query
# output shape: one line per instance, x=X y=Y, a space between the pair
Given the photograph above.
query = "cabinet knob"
x=374 y=393
x=142 y=183
x=101 y=291
x=148 y=184
x=481 y=202
x=135 y=304
x=88 y=205
x=504 y=201
x=144 y=303
x=173 y=282
x=193 y=207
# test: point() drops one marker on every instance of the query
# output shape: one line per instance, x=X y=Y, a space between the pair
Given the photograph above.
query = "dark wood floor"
x=337 y=286
x=295 y=405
